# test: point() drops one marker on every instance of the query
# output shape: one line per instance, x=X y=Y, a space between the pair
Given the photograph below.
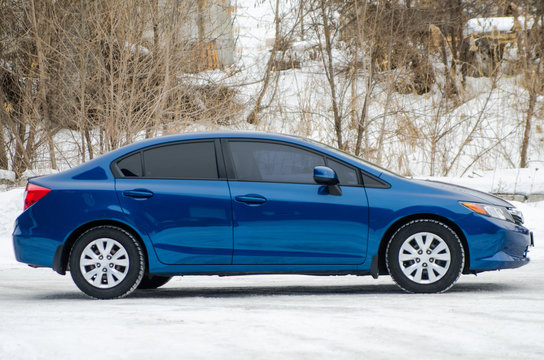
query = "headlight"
x=499 y=212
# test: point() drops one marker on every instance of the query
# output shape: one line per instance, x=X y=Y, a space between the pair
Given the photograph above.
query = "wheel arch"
x=382 y=268
x=62 y=255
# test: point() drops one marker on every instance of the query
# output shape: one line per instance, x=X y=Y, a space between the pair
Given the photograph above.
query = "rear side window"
x=271 y=162
x=346 y=174
x=131 y=166
x=181 y=161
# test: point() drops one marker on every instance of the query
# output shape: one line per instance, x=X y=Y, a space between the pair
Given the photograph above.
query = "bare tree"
x=41 y=35
x=282 y=39
x=531 y=47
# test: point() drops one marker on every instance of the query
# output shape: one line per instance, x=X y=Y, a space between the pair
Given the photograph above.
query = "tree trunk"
x=167 y=58
x=89 y=143
x=43 y=87
x=364 y=111
x=253 y=116
x=527 y=130
x=29 y=149
x=3 y=153
x=19 y=165
x=156 y=46
x=329 y=71
x=201 y=4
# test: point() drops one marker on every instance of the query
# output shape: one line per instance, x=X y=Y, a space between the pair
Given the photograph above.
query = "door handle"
x=138 y=193
x=251 y=199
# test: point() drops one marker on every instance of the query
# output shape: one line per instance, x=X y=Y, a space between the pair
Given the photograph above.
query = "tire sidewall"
x=450 y=238
x=135 y=257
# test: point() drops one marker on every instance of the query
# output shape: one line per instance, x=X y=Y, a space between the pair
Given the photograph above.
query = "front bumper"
x=511 y=249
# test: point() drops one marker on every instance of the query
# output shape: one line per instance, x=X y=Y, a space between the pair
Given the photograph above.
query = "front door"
x=281 y=216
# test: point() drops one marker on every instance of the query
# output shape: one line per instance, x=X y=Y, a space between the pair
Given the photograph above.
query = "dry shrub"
x=407 y=130
x=397 y=38
x=416 y=77
x=210 y=103
x=482 y=56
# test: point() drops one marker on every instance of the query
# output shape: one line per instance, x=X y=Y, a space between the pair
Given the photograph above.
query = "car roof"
x=105 y=160
x=209 y=135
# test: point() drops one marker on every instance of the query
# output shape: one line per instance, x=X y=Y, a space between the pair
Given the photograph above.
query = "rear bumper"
x=37 y=251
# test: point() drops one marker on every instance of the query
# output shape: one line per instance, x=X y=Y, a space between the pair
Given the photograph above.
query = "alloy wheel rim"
x=104 y=263
x=424 y=258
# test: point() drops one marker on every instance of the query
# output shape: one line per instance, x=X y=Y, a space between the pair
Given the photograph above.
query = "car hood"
x=464 y=193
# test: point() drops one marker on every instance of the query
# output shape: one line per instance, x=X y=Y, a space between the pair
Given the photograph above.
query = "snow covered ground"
x=494 y=315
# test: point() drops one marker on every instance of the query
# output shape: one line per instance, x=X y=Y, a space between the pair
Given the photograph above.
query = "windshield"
x=353 y=157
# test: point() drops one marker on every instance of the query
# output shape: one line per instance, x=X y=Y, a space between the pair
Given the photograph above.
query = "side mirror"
x=326 y=176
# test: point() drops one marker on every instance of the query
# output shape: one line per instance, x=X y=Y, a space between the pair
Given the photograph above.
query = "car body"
x=252 y=203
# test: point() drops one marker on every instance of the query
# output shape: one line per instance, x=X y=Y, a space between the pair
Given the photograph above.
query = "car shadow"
x=250 y=291
x=304 y=290
x=288 y=290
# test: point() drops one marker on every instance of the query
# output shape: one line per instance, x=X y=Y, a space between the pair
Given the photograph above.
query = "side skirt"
x=241 y=273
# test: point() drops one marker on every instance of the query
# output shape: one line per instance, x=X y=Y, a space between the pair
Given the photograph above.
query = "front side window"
x=272 y=162
x=346 y=175
x=181 y=161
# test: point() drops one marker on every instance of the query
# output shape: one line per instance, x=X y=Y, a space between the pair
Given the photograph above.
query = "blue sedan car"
x=250 y=203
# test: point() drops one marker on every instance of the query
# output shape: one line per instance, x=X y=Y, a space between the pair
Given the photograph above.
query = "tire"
x=425 y=256
x=107 y=262
x=153 y=281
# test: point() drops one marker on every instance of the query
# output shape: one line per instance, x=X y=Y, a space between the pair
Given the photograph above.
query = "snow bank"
x=11 y=205
x=6 y=175
x=501 y=24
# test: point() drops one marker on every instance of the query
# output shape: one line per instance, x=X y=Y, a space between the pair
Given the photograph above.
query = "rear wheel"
x=107 y=262
x=153 y=281
x=425 y=256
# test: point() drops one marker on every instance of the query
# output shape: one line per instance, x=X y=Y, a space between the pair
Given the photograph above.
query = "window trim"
x=219 y=163
x=231 y=173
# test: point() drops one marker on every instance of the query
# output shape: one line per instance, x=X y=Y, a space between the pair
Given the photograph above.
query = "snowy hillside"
x=415 y=135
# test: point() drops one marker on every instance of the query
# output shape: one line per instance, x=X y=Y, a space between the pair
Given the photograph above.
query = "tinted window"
x=256 y=161
x=181 y=161
x=346 y=174
x=372 y=182
x=131 y=166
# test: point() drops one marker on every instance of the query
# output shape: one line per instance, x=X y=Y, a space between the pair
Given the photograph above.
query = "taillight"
x=33 y=193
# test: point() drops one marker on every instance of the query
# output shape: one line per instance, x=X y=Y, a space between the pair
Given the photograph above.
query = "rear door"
x=178 y=194
x=281 y=216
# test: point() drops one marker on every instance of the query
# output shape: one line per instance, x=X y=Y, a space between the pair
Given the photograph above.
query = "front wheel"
x=107 y=262
x=425 y=256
